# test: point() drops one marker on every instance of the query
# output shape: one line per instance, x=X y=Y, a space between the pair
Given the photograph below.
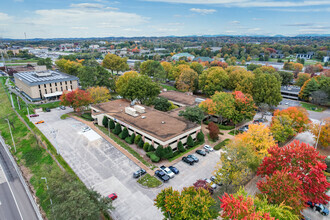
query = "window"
x=66 y=82
x=50 y=84
x=71 y=87
x=61 y=88
x=51 y=90
x=56 y=89
x=70 y=81
x=45 y=85
x=60 y=83
x=55 y=84
x=66 y=87
x=45 y=91
x=39 y=86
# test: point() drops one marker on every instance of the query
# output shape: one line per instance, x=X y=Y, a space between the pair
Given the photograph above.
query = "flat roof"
x=179 y=97
x=31 y=78
x=152 y=122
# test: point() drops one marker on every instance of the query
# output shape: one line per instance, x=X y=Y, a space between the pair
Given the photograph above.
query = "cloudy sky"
x=129 y=18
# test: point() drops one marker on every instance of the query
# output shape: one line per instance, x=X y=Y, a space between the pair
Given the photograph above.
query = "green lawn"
x=149 y=181
x=46 y=105
x=168 y=87
x=23 y=61
x=236 y=132
x=312 y=107
x=183 y=153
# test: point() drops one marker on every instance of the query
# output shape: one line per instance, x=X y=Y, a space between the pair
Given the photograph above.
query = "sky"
x=133 y=18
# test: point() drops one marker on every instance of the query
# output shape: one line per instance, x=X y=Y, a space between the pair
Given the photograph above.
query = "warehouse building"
x=155 y=127
x=49 y=84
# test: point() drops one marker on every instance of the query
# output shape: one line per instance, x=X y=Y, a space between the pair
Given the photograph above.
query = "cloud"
x=258 y=19
x=230 y=32
x=234 y=22
x=250 y=3
x=203 y=11
x=254 y=29
x=87 y=5
x=298 y=24
x=4 y=17
x=300 y=10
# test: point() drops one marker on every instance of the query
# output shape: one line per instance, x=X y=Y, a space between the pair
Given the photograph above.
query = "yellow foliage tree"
x=122 y=80
x=258 y=138
x=177 y=71
x=99 y=94
x=323 y=130
x=188 y=80
x=167 y=67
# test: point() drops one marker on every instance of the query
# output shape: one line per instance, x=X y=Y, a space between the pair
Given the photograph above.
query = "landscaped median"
x=149 y=181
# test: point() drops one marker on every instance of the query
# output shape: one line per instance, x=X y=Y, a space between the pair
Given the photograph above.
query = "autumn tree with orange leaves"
x=76 y=98
x=300 y=121
x=323 y=130
x=302 y=161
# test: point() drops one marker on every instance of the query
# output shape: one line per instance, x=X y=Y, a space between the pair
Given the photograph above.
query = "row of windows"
x=51 y=90
x=66 y=83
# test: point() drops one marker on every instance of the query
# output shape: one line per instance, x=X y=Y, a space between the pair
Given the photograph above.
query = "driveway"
x=103 y=167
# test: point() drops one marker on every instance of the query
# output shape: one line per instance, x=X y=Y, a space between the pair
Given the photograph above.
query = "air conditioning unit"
x=131 y=111
x=139 y=108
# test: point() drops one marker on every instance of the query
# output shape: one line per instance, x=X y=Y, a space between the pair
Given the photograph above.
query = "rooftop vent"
x=143 y=117
x=131 y=111
x=139 y=109
x=163 y=122
x=43 y=73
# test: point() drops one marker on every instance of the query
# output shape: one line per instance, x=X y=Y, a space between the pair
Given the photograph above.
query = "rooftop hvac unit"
x=143 y=117
x=139 y=109
x=131 y=111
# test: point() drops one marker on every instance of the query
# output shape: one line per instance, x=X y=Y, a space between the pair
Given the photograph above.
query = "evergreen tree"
x=190 y=141
x=105 y=121
x=146 y=146
x=124 y=133
x=112 y=124
x=200 y=137
x=160 y=151
x=151 y=148
x=137 y=139
x=180 y=147
x=117 y=130
x=141 y=143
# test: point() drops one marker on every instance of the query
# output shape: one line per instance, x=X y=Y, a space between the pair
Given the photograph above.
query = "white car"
x=213 y=185
x=167 y=171
x=208 y=148
x=85 y=129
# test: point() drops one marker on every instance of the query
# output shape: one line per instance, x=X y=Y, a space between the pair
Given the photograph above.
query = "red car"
x=113 y=196
x=34 y=115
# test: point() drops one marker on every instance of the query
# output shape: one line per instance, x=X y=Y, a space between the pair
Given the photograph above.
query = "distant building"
x=159 y=49
x=194 y=47
x=326 y=59
x=94 y=46
x=44 y=84
x=177 y=57
x=215 y=49
x=203 y=59
x=306 y=56
x=290 y=92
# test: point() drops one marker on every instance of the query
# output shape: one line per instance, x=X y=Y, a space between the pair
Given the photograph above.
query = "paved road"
x=14 y=202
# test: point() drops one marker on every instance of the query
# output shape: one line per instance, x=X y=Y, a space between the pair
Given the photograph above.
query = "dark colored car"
x=193 y=157
x=188 y=160
x=174 y=169
x=62 y=107
x=139 y=173
x=201 y=152
x=260 y=120
x=47 y=110
x=318 y=207
x=244 y=128
x=34 y=115
x=161 y=175
x=113 y=196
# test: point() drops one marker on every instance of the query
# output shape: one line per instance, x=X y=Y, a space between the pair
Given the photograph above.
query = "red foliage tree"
x=213 y=131
x=285 y=187
x=302 y=161
x=299 y=115
x=244 y=106
x=76 y=98
x=203 y=184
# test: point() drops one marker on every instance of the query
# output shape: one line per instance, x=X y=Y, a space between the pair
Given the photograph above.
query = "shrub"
x=159 y=151
x=132 y=138
x=149 y=154
x=200 y=137
x=206 y=122
x=128 y=140
x=146 y=146
x=190 y=141
x=117 y=129
x=124 y=133
x=221 y=144
x=112 y=124
x=121 y=135
x=213 y=131
x=141 y=143
x=154 y=158
x=137 y=139
x=88 y=117
x=176 y=153
x=180 y=147
x=161 y=104
x=168 y=153
x=151 y=148
x=226 y=127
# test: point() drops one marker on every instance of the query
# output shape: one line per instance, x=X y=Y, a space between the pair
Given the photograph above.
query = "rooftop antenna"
x=25 y=36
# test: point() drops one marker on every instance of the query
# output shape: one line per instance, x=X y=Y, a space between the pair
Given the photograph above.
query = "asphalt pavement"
x=14 y=202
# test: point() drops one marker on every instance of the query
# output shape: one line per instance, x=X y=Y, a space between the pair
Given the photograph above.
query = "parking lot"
x=102 y=167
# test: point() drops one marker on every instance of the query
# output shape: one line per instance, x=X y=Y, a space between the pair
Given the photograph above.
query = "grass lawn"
x=312 y=107
x=168 y=87
x=149 y=181
x=46 y=105
x=226 y=127
x=236 y=132
x=23 y=61
x=210 y=139
x=183 y=153
x=64 y=116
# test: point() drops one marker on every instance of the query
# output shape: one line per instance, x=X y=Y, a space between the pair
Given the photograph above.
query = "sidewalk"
x=112 y=142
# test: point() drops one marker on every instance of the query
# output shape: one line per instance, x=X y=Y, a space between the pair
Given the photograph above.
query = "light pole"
x=109 y=126
x=54 y=133
x=318 y=136
x=12 y=138
x=50 y=199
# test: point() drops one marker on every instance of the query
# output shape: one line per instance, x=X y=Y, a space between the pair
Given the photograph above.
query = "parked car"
x=40 y=122
x=318 y=207
x=34 y=115
x=47 y=109
x=201 y=152
x=161 y=175
x=62 y=107
x=139 y=173
x=213 y=179
x=188 y=160
x=208 y=148
x=167 y=171
x=244 y=128
x=213 y=185
x=113 y=196
x=269 y=113
x=174 y=169
x=85 y=129
x=260 y=120
x=193 y=157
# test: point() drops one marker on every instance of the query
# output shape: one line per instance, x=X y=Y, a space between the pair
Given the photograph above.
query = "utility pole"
x=12 y=102
x=109 y=126
x=318 y=137
x=19 y=106
x=50 y=199
x=54 y=133
x=12 y=138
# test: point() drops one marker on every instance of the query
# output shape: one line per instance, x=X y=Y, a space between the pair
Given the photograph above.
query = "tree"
x=200 y=137
x=258 y=138
x=191 y=203
x=213 y=131
x=194 y=114
x=68 y=66
x=117 y=130
x=124 y=134
x=177 y=70
x=321 y=132
x=122 y=81
x=180 y=147
x=162 y=104
x=300 y=121
x=168 y=153
x=266 y=89
x=105 y=121
x=187 y=81
x=153 y=69
x=309 y=86
x=115 y=63
x=281 y=128
x=204 y=185
x=237 y=77
x=137 y=139
x=302 y=78
x=159 y=151
x=141 y=143
x=190 y=141
x=244 y=107
x=99 y=94
x=141 y=88
x=168 y=68
x=212 y=80
x=319 y=97
x=197 y=67
x=76 y=98
x=137 y=65
x=208 y=106
x=112 y=124
x=46 y=62
x=303 y=161
x=146 y=146
x=287 y=77
x=95 y=76
x=283 y=187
